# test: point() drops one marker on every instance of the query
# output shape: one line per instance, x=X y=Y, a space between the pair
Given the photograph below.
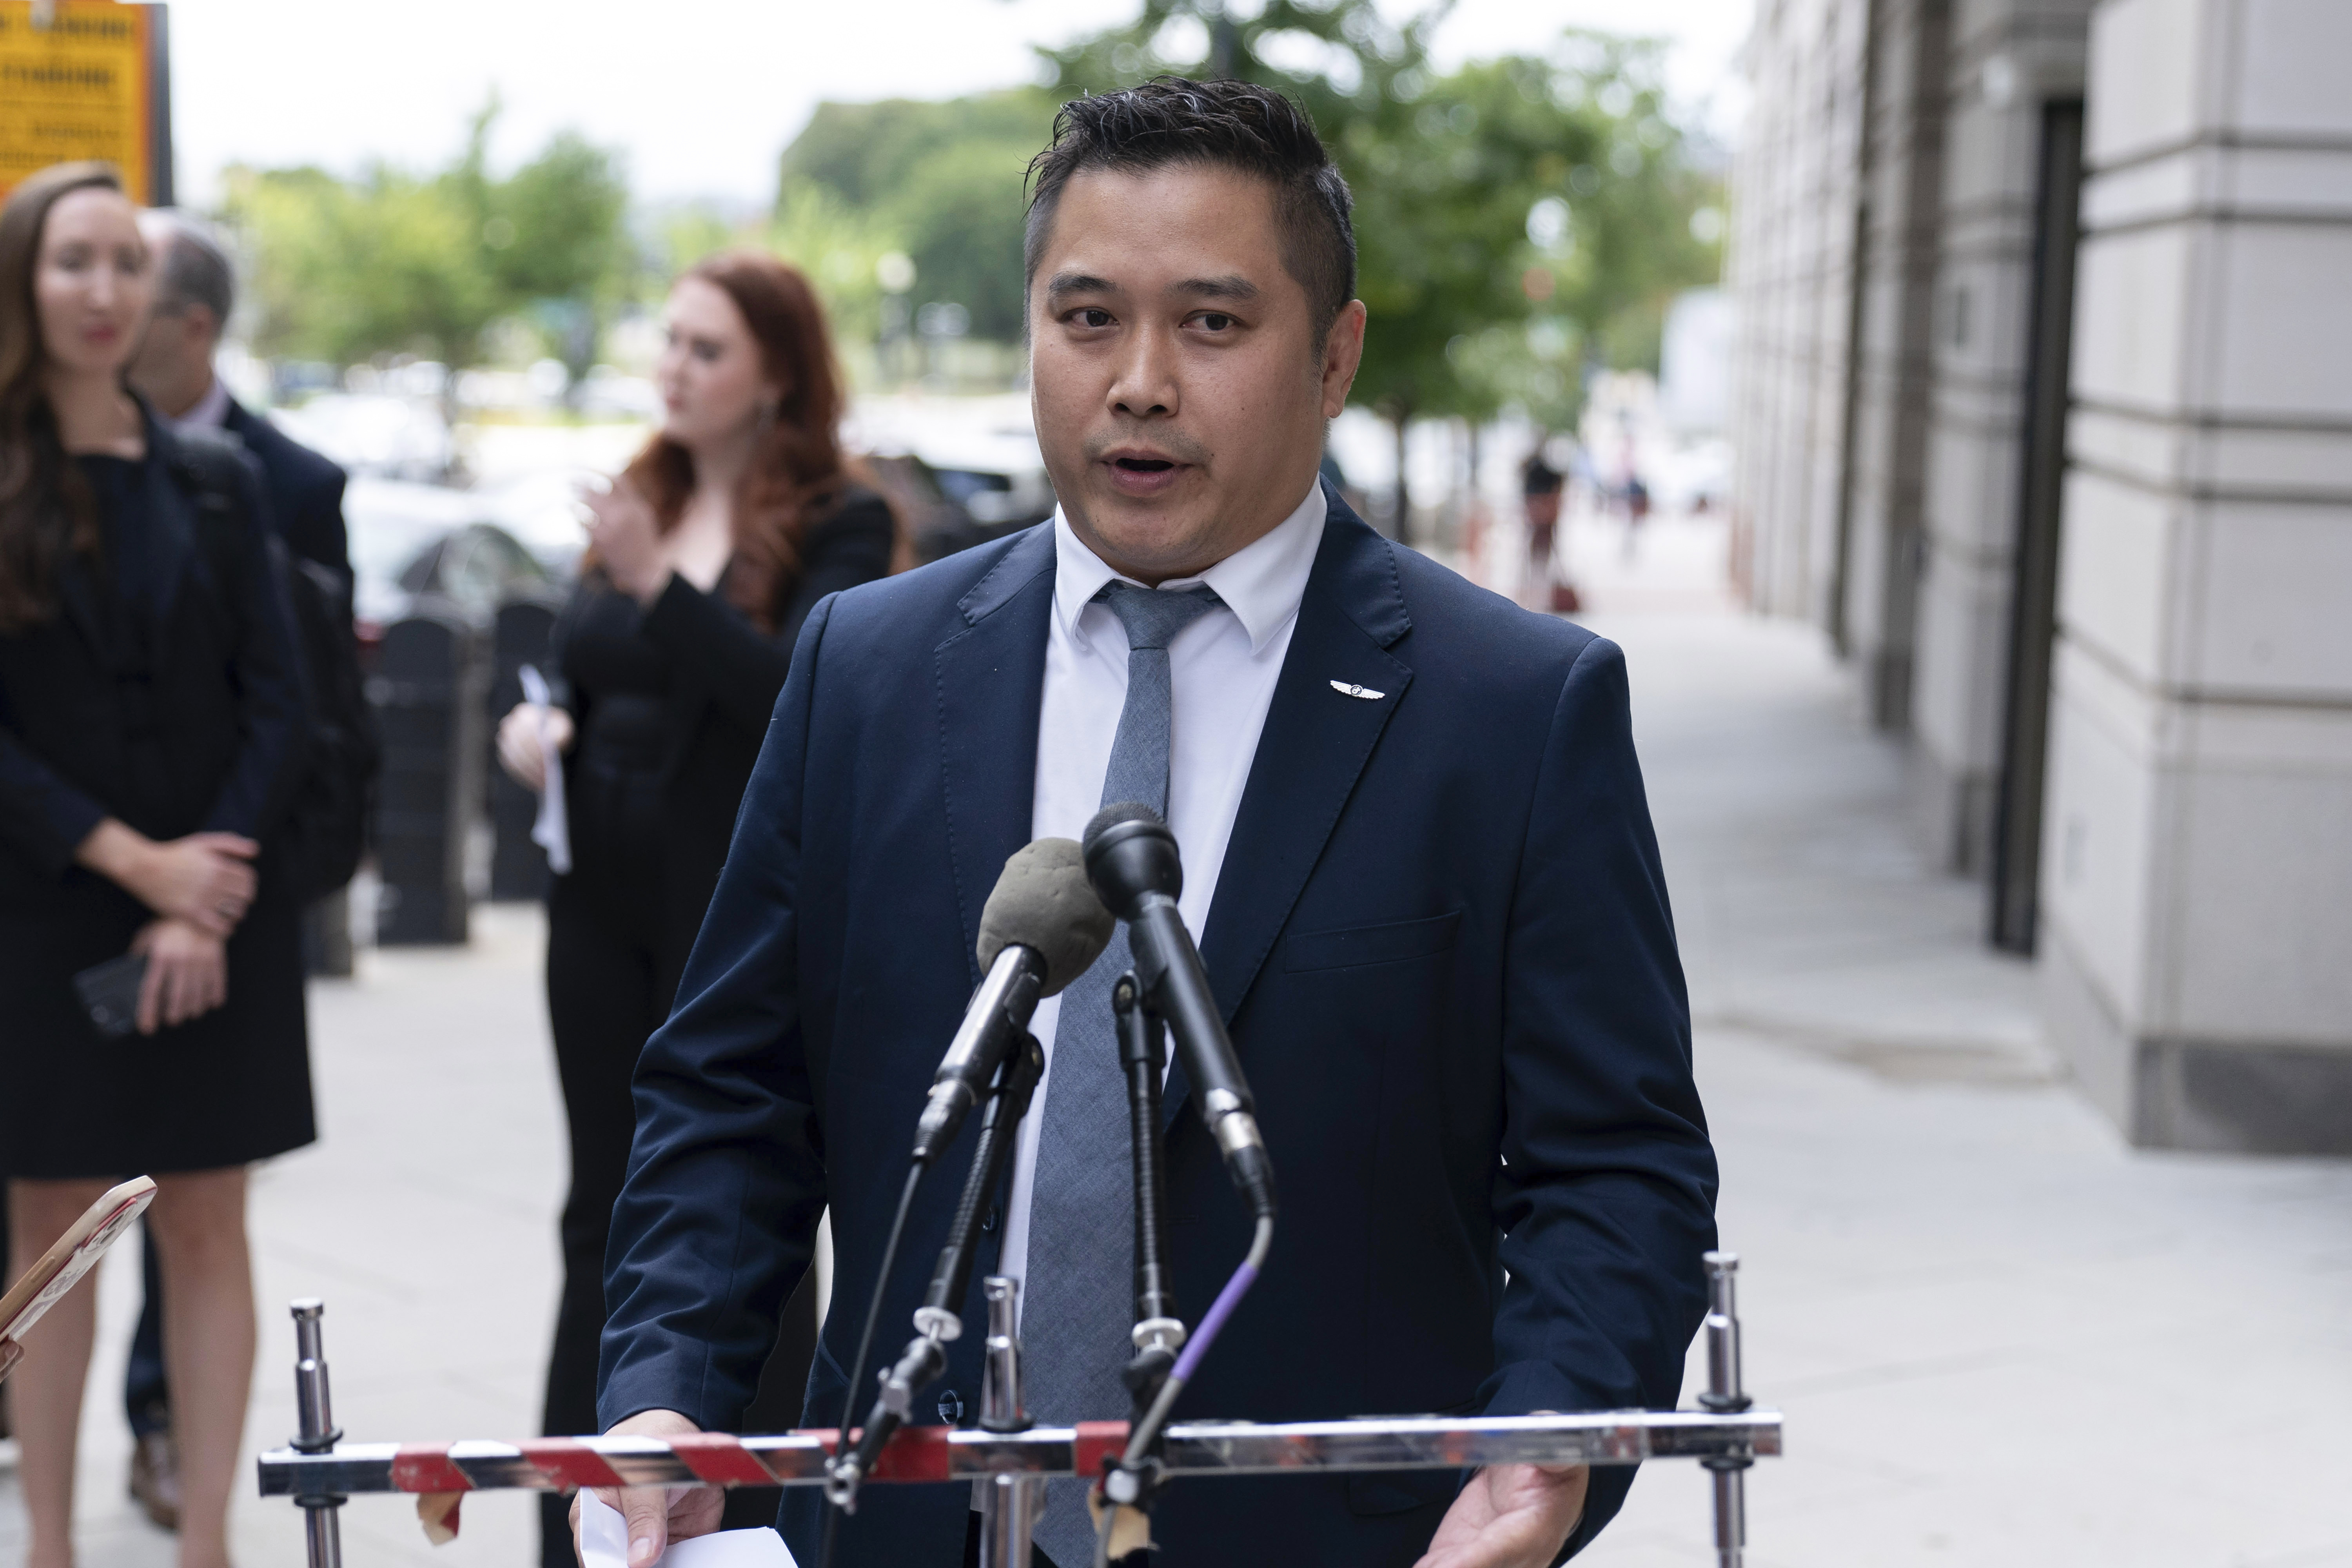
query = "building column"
x=2014 y=65
x=1878 y=579
x=2197 y=877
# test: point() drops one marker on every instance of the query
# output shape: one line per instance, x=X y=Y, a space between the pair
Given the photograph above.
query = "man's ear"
x=1343 y=351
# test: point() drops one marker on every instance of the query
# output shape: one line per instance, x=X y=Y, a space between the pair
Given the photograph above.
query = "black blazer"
x=305 y=492
x=1442 y=939
x=203 y=735
x=725 y=674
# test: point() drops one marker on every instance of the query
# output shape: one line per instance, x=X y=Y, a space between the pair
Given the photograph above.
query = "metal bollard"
x=429 y=692
x=1008 y=1504
x=319 y=1433
x=1724 y=1397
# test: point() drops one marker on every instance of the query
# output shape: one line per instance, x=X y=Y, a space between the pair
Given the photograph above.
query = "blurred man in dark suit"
x=195 y=291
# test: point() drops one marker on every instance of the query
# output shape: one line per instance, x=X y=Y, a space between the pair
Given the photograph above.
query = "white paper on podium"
x=551 y=832
x=604 y=1543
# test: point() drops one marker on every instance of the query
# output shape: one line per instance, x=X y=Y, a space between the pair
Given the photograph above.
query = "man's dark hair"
x=1539 y=478
x=196 y=267
x=1227 y=125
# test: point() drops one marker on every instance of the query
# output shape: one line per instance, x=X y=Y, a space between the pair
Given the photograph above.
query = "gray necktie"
x=1079 y=1299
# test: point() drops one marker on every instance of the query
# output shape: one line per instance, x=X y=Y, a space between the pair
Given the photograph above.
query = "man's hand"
x=656 y=1515
x=1510 y=1516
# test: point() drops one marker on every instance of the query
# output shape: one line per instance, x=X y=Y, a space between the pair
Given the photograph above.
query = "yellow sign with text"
x=81 y=86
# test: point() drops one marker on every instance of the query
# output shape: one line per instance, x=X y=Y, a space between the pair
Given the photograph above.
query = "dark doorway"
x=2026 y=741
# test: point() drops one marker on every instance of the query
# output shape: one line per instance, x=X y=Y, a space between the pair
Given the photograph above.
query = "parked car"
x=410 y=542
x=964 y=471
x=374 y=434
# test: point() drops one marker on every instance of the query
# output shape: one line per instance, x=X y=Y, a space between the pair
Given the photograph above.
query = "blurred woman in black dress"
x=704 y=560
x=150 y=728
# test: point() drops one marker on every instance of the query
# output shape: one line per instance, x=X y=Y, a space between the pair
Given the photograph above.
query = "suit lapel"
x=1311 y=753
x=990 y=678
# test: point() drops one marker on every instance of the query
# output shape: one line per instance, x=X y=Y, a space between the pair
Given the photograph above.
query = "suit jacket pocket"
x=1370 y=944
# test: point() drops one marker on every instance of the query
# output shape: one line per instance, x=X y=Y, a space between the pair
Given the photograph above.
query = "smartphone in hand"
x=109 y=994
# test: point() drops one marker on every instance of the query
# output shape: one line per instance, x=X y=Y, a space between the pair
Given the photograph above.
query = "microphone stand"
x=938 y=1321
x=1159 y=1333
x=1133 y=1479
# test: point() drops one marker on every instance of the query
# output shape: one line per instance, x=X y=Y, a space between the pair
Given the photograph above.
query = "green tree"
x=1510 y=215
x=347 y=271
x=395 y=263
x=549 y=238
x=945 y=178
x=840 y=248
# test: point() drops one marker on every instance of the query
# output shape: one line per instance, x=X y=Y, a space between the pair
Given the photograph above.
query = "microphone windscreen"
x=1044 y=901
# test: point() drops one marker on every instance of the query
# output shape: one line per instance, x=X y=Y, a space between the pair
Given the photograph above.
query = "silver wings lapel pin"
x=1347 y=688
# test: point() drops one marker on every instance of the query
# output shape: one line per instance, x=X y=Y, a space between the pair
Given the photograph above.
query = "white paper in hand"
x=551 y=832
x=604 y=1543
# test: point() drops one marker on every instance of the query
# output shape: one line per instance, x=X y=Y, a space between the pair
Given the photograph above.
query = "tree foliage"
x=1513 y=216
x=393 y=262
x=947 y=178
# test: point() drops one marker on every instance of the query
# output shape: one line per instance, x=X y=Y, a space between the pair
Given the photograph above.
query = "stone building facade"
x=2046 y=416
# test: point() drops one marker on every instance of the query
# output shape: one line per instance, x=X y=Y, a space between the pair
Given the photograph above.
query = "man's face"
x=176 y=353
x=1178 y=395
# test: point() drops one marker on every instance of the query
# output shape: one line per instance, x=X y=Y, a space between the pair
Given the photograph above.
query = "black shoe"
x=155 y=1478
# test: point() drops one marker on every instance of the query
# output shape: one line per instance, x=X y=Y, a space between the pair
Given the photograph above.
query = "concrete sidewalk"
x=1999 y=1337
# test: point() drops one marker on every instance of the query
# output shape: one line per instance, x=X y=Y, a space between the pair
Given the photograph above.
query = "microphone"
x=1041 y=929
x=1132 y=861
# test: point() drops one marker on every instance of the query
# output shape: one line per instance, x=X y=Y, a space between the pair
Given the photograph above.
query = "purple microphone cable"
x=1139 y=1441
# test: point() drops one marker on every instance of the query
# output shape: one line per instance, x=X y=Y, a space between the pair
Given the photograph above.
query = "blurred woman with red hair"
x=705 y=559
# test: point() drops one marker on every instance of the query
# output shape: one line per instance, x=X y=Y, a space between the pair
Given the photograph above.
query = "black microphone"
x=1042 y=928
x=1132 y=861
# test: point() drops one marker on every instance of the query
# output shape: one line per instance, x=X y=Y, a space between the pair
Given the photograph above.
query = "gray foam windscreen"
x=1044 y=900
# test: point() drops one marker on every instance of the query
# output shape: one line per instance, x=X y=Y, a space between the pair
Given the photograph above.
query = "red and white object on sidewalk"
x=60 y=1268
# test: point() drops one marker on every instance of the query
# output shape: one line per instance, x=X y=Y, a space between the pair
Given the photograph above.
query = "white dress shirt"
x=1222 y=672
x=210 y=412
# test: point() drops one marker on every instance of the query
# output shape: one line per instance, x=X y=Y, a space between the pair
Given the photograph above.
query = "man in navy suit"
x=1416 y=853
x=195 y=291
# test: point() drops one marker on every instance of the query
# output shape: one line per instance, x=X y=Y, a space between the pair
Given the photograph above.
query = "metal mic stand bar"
x=919 y=1454
x=1008 y=1500
x=316 y=1437
x=1007 y=1461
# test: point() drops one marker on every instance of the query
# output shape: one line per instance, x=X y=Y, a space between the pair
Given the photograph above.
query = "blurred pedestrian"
x=194 y=293
x=1637 y=509
x=704 y=560
x=1540 y=485
x=150 y=732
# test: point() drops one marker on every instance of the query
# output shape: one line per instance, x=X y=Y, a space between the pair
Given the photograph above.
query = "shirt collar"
x=1261 y=582
x=210 y=412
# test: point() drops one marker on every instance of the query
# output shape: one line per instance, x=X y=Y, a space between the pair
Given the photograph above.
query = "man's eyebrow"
x=1231 y=286
x=1077 y=283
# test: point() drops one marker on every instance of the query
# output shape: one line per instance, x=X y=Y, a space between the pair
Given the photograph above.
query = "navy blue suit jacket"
x=1442 y=939
x=306 y=490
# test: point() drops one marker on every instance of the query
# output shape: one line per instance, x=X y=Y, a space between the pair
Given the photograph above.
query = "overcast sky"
x=701 y=96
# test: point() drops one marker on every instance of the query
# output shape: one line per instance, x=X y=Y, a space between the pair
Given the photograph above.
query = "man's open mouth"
x=1143 y=465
